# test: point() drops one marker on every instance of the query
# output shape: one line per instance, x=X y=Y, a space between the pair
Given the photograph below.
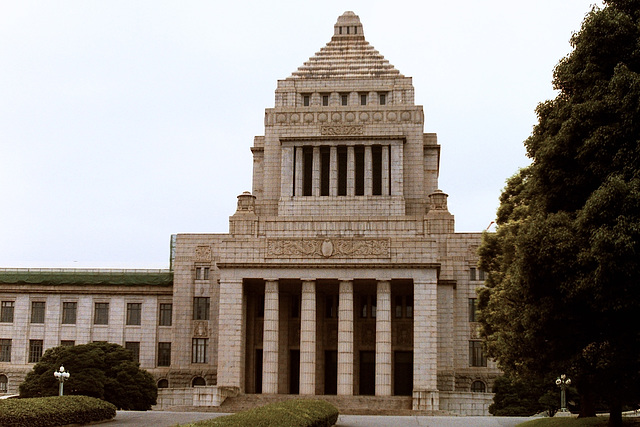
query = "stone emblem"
x=203 y=254
x=328 y=248
x=341 y=130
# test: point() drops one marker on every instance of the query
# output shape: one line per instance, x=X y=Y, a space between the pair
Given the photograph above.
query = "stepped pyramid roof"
x=347 y=55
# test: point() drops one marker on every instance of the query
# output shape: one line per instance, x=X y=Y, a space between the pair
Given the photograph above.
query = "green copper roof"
x=86 y=277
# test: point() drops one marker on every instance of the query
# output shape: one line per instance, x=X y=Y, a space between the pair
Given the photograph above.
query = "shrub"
x=291 y=413
x=54 y=411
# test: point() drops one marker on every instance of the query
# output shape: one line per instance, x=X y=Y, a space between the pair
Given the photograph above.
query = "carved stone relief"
x=328 y=248
x=201 y=329
x=341 y=130
x=203 y=254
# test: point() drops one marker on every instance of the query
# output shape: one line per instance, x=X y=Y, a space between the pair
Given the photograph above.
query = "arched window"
x=478 y=387
x=163 y=383
x=4 y=383
x=198 y=381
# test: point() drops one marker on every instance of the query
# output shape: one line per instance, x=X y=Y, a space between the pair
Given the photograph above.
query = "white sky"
x=123 y=122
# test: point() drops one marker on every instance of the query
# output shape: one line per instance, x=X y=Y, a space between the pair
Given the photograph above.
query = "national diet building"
x=341 y=275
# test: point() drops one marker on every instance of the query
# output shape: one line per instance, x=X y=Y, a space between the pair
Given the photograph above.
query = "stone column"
x=383 y=339
x=286 y=177
x=308 y=338
x=299 y=167
x=315 y=180
x=270 y=337
x=397 y=167
x=345 y=338
x=385 y=170
x=368 y=171
x=231 y=333
x=333 y=171
x=425 y=342
x=351 y=171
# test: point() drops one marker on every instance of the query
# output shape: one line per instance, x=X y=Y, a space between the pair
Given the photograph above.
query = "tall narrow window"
x=476 y=354
x=325 y=100
x=342 y=171
x=101 y=313
x=37 y=311
x=364 y=308
x=472 y=273
x=133 y=347
x=473 y=310
x=166 y=312
x=331 y=307
x=69 y=312
x=202 y=273
x=382 y=99
x=134 y=313
x=363 y=99
x=398 y=307
x=376 y=169
x=201 y=308
x=5 y=350
x=359 y=169
x=307 y=171
x=409 y=307
x=325 y=168
x=6 y=311
x=306 y=100
x=344 y=98
x=199 y=350
x=35 y=350
x=164 y=354
x=4 y=384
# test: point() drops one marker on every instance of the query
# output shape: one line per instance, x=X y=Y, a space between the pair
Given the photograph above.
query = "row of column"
x=391 y=176
x=345 y=339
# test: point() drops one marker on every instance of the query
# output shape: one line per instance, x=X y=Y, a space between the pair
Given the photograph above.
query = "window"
x=368 y=306
x=198 y=381
x=6 y=311
x=5 y=350
x=358 y=152
x=133 y=347
x=409 y=307
x=201 y=308
x=4 y=383
x=295 y=306
x=325 y=170
x=480 y=274
x=69 y=312
x=67 y=343
x=325 y=100
x=37 y=312
x=344 y=98
x=478 y=387
x=398 y=307
x=306 y=100
x=134 y=313
x=474 y=276
x=164 y=354
x=166 y=313
x=199 y=350
x=382 y=99
x=476 y=354
x=202 y=273
x=376 y=170
x=35 y=350
x=101 y=313
x=342 y=170
x=363 y=99
x=331 y=307
x=473 y=309
x=163 y=383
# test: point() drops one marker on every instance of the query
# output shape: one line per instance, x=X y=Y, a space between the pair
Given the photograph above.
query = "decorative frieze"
x=328 y=248
x=341 y=130
x=203 y=254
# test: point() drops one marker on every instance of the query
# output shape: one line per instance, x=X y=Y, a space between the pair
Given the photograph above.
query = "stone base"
x=426 y=400
x=565 y=414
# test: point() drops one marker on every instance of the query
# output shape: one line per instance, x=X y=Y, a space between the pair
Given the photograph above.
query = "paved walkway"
x=169 y=419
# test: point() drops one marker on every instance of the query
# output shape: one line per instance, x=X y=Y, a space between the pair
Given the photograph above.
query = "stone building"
x=341 y=273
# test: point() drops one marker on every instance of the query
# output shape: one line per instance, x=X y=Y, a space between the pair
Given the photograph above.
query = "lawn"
x=577 y=422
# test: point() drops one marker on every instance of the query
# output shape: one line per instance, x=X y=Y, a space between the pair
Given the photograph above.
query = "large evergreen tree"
x=563 y=289
x=103 y=370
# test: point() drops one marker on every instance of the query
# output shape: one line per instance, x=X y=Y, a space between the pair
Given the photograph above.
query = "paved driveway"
x=168 y=419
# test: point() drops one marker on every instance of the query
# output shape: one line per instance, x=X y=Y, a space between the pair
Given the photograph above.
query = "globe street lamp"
x=563 y=382
x=61 y=376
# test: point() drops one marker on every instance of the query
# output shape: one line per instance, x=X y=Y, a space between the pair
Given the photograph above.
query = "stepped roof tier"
x=347 y=55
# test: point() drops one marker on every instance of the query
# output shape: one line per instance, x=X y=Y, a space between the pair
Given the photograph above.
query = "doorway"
x=367 y=373
x=403 y=373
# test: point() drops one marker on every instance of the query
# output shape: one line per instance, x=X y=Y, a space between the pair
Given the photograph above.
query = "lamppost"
x=61 y=376
x=563 y=382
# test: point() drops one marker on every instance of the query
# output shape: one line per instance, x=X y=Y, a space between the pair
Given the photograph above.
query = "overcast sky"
x=123 y=122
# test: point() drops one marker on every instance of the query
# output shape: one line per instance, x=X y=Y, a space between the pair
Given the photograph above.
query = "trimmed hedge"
x=290 y=413
x=54 y=411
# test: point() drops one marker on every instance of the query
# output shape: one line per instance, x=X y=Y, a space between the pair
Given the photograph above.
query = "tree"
x=563 y=288
x=103 y=370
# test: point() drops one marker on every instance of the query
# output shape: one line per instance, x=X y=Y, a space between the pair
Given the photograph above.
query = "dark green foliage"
x=291 y=413
x=563 y=292
x=102 y=370
x=54 y=411
x=517 y=398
